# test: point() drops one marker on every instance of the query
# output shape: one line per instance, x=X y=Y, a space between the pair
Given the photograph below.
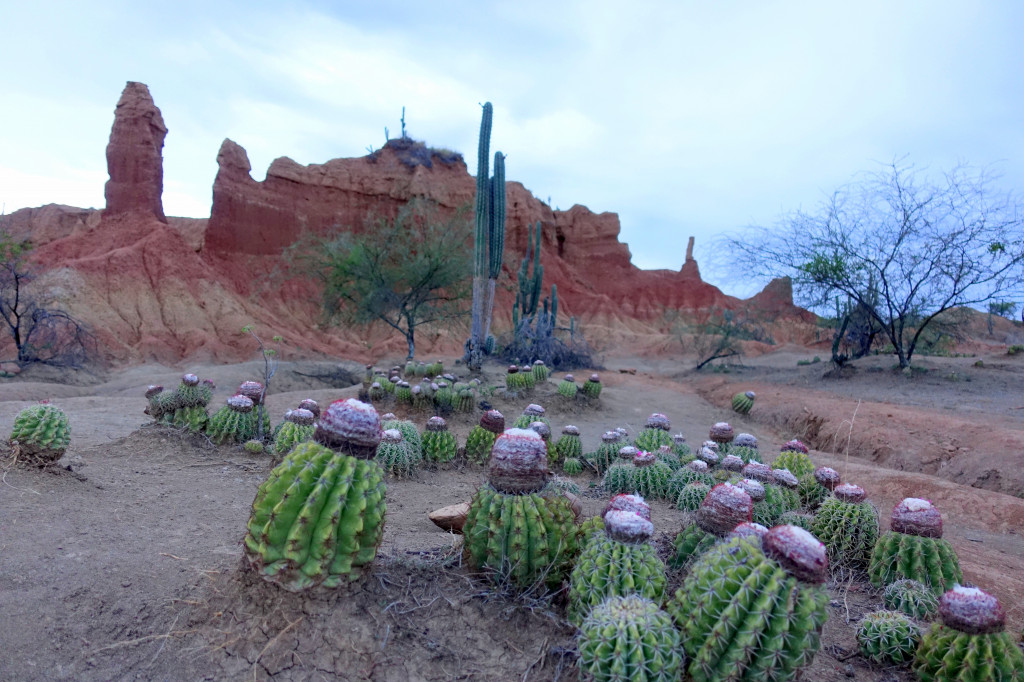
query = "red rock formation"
x=135 y=155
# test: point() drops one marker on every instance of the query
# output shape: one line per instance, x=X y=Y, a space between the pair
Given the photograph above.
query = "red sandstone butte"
x=135 y=155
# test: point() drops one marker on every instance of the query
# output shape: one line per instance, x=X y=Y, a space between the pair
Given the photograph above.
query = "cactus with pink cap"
x=914 y=548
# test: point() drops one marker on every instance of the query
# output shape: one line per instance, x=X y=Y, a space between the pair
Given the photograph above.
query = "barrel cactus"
x=721 y=433
x=651 y=477
x=567 y=387
x=481 y=437
x=191 y=398
x=403 y=393
x=608 y=451
x=691 y=496
x=655 y=433
x=572 y=466
x=724 y=507
x=848 y=525
x=540 y=371
x=532 y=413
x=592 y=387
x=319 y=517
x=620 y=563
x=620 y=478
x=569 y=444
x=742 y=402
x=298 y=427
x=233 y=423
x=912 y=598
x=753 y=610
x=410 y=433
x=515 y=382
x=914 y=548
x=797 y=518
x=629 y=639
x=439 y=444
x=816 y=487
x=797 y=463
x=395 y=455
x=971 y=643
x=888 y=637
x=43 y=433
x=694 y=472
x=518 y=527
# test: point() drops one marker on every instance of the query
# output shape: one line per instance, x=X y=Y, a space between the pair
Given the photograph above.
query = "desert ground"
x=124 y=562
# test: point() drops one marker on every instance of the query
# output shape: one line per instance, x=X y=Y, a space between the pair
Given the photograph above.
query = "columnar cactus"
x=395 y=455
x=725 y=507
x=319 y=517
x=742 y=402
x=439 y=444
x=753 y=610
x=651 y=477
x=43 y=433
x=517 y=526
x=888 y=637
x=914 y=548
x=592 y=387
x=298 y=427
x=569 y=444
x=912 y=598
x=481 y=437
x=567 y=387
x=620 y=563
x=629 y=638
x=655 y=433
x=532 y=413
x=233 y=423
x=848 y=525
x=971 y=643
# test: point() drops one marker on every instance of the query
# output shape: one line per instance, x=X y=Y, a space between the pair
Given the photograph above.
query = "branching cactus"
x=651 y=477
x=395 y=455
x=592 y=387
x=848 y=525
x=971 y=643
x=912 y=598
x=233 y=423
x=298 y=427
x=439 y=444
x=319 y=517
x=43 y=434
x=725 y=507
x=655 y=433
x=629 y=638
x=753 y=610
x=481 y=437
x=914 y=548
x=569 y=445
x=887 y=637
x=742 y=402
x=567 y=387
x=532 y=413
x=620 y=563
x=518 y=527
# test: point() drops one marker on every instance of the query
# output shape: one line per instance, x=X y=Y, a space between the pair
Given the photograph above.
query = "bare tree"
x=901 y=246
x=40 y=332
x=714 y=333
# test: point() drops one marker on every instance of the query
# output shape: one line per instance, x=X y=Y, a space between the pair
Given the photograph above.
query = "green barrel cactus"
x=725 y=507
x=620 y=478
x=540 y=371
x=190 y=402
x=233 y=423
x=742 y=402
x=914 y=548
x=608 y=451
x=691 y=496
x=395 y=455
x=435 y=368
x=43 y=433
x=796 y=462
x=592 y=387
x=253 y=447
x=158 y=402
x=567 y=387
x=410 y=433
x=667 y=455
x=887 y=637
x=848 y=525
x=403 y=393
x=753 y=610
x=680 y=447
x=526 y=372
x=254 y=391
x=696 y=471
x=515 y=382
x=481 y=437
x=532 y=413
x=444 y=397
x=572 y=466
x=465 y=398
x=569 y=444
x=912 y=598
x=796 y=518
x=629 y=639
x=654 y=434
x=439 y=444
x=619 y=563
x=651 y=477
x=298 y=427
x=319 y=516
x=817 y=487
x=971 y=643
x=518 y=527
x=376 y=392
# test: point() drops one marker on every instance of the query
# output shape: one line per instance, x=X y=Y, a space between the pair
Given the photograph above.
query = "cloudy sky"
x=685 y=118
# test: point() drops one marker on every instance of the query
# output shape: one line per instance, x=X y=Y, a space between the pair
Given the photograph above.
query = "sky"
x=684 y=118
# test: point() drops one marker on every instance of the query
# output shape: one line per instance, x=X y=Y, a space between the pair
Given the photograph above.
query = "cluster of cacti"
x=567 y=387
x=971 y=643
x=912 y=598
x=515 y=381
x=481 y=437
x=319 y=517
x=592 y=387
x=752 y=610
x=517 y=526
x=742 y=402
x=422 y=369
x=914 y=548
x=725 y=507
x=888 y=637
x=620 y=563
x=233 y=423
x=439 y=444
x=255 y=391
x=442 y=393
x=42 y=432
x=185 y=406
x=298 y=426
x=848 y=525
x=395 y=455
x=629 y=638
x=655 y=433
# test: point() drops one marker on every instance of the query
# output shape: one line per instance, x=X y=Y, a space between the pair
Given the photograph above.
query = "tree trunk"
x=412 y=345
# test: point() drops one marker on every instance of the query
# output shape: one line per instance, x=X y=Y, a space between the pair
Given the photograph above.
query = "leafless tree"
x=901 y=246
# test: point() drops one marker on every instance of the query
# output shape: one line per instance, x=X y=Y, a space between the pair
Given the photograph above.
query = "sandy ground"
x=125 y=561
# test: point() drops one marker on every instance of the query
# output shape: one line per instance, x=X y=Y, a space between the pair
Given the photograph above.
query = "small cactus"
x=848 y=525
x=567 y=387
x=888 y=637
x=233 y=423
x=914 y=548
x=481 y=437
x=912 y=598
x=515 y=382
x=608 y=451
x=629 y=638
x=816 y=487
x=694 y=472
x=592 y=387
x=691 y=496
x=298 y=427
x=540 y=371
x=742 y=402
x=43 y=433
x=797 y=463
x=569 y=444
x=532 y=413
x=410 y=434
x=651 y=476
x=439 y=444
x=725 y=507
x=620 y=478
x=572 y=466
x=654 y=434
x=971 y=643
x=721 y=433
x=253 y=447
x=395 y=455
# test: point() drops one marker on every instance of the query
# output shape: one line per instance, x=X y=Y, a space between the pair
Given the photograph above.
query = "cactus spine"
x=43 y=433
x=629 y=638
